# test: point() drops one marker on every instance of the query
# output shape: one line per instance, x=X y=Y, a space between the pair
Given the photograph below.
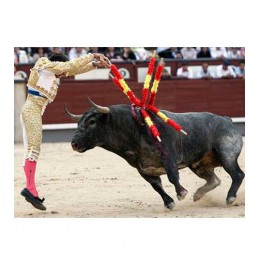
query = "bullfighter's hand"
x=99 y=64
x=102 y=61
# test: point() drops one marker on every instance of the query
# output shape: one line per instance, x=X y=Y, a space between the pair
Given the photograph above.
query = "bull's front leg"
x=156 y=183
x=173 y=177
x=171 y=169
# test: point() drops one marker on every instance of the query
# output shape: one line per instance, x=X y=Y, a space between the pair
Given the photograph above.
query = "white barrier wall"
x=19 y=100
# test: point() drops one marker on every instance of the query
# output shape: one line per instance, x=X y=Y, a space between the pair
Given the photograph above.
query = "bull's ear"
x=99 y=108
x=72 y=116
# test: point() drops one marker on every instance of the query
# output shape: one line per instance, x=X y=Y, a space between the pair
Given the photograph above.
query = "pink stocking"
x=29 y=169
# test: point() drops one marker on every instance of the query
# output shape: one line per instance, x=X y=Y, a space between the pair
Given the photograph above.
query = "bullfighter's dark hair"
x=58 y=57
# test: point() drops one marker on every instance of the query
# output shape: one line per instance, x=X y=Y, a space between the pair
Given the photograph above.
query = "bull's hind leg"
x=237 y=176
x=212 y=181
x=156 y=183
x=228 y=151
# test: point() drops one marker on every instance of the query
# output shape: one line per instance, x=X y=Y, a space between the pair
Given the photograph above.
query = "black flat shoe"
x=35 y=201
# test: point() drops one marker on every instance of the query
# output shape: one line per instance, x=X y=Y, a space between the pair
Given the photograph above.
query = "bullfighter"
x=42 y=90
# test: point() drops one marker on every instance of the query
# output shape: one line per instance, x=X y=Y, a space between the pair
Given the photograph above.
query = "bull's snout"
x=74 y=145
x=77 y=148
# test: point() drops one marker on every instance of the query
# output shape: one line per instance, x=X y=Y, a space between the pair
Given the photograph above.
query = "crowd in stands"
x=31 y=55
x=225 y=70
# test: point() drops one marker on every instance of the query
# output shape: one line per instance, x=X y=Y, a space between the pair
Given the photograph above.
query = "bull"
x=212 y=141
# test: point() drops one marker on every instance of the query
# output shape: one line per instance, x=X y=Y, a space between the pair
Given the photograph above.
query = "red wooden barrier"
x=220 y=96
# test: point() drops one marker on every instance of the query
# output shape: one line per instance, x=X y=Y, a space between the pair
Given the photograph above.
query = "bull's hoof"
x=230 y=200
x=182 y=195
x=170 y=206
x=197 y=196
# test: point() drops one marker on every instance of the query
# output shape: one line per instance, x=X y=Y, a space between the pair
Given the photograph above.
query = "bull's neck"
x=123 y=133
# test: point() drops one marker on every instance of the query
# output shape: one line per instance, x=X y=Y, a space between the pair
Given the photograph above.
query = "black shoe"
x=35 y=201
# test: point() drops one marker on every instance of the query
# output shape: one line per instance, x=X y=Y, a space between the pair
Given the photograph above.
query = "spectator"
x=93 y=50
x=228 y=49
x=128 y=54
x=234 y=53
x=76 y=52
x=35 y=50
x=102 y=49
x=165 y=74
x=225 y=70
x=205 y=72
x=188 y=53
x=242 y=52
x=113 y=54
x=150 y=54
x=56 y=50
x=39 y=54
x=164 y=52
x=16 y=55
x=175 y=53
x=240 y=70
x=218 y=53
x=140 y=53
x=184 y=71
x=20 y=56
x=204 y=53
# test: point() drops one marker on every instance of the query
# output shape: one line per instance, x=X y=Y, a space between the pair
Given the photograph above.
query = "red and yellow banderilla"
x=148 y=78
x=120 y=82
x=143 y=104
x=166 y=119
x=151 y=102
x=155 y=85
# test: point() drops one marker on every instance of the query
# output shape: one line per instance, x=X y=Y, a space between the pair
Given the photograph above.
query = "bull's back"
x=203 y=124
x=205 y=132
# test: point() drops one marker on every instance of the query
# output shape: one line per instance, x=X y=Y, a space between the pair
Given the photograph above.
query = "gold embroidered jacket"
x=43 y=75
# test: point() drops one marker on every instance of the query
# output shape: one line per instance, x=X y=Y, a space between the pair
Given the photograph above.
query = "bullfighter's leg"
x=31 y=120
x=212 y=181
x=228 y=155
x=156 y=183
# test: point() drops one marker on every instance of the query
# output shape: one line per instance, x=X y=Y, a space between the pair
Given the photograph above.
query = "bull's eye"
x=91 y=122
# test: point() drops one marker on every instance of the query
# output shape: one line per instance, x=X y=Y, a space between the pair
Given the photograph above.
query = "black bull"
x=212 y=141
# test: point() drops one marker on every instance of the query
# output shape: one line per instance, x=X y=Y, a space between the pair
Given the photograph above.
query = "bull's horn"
x=99 y=108
x=72 y=116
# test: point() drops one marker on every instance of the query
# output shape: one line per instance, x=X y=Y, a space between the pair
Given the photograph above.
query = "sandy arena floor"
x=100 y=184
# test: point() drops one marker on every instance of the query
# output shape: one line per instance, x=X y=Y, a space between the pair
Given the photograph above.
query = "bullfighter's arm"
x=73 y=67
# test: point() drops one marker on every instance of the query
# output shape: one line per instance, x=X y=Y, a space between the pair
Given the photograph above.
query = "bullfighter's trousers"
x=31 y=120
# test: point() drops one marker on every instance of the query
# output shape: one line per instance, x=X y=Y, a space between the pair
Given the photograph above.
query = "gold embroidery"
x=31 y=115
x=73 y=67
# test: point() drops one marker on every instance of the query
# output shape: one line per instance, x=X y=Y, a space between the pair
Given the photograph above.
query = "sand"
x=100 y=184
